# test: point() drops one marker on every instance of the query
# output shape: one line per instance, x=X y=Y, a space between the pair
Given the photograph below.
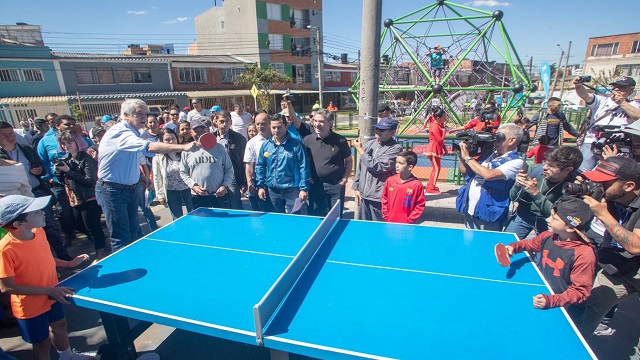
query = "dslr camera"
x=588 y=187
x=477 y=142
x=585 y=79
x=610 y=135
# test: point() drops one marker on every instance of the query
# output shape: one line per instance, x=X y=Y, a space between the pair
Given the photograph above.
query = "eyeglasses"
x=172 y=114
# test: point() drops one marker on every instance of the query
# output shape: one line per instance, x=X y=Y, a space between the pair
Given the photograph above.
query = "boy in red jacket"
x=403 y=193
x=567 y=259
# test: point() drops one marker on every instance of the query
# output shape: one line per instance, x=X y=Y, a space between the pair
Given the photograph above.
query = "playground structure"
x=479 y=60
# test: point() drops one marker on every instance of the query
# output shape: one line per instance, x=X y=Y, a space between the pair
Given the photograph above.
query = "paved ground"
x=86 y=332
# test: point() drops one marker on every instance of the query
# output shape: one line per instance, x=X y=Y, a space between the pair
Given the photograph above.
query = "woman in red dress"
x=435 y=148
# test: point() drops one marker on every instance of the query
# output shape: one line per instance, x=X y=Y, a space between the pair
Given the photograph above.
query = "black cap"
x=614 y=168
x=624 y=81
x=383 y=107
x=39 y=120
x=574 y=212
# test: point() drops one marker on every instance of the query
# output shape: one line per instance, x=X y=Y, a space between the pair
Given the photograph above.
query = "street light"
x=320 y=62
x=555 y=81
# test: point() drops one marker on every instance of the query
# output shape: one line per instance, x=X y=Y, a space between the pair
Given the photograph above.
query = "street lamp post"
x=555 y=81
x=320 y=63
x=564 y=72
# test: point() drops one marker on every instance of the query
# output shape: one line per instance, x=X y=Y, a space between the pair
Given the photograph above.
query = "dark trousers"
x=89 y=214
x=65 y=214
x=323 y=196
x=370 y=210
x=50 y=228
x=284 y=199
x=210 y=201
x=235 y=198
x=261 y=205
x=175 y=199
x=120 y=207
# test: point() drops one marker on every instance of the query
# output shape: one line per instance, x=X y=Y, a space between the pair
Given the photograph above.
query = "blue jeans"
x=120 y=207
x=175 y=199
x=589 y=160
x=522 y=224
x=146 y=211
x=283 y=199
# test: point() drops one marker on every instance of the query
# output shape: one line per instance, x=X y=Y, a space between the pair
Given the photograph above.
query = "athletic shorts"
x=36 y=329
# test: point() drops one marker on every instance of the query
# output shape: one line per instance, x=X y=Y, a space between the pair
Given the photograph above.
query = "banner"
x=545 y=76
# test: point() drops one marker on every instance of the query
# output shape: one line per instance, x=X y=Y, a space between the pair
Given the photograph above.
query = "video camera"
x=610 y=135
x=588 y=187
x=487 y=116
x=585 y=79
x=477 y=142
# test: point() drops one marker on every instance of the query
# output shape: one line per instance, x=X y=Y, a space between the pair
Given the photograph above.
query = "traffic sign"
x=254 y=91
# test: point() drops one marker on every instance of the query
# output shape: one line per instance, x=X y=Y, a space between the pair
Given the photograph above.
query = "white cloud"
x=138 y=12
x=487 y=3
x=176 y=20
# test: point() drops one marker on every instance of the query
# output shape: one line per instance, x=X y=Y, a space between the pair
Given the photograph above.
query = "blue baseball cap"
x=12 y=206
x=387 y=124
x=106 y=119
x=216 y=108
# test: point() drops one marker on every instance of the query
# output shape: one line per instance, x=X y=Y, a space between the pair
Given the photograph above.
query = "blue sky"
x=108 y=26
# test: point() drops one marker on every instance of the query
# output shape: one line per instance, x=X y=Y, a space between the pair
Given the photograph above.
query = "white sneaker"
x=82 y=356
x=604 y=330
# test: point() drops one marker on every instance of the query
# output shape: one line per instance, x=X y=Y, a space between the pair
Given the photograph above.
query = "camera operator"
x=614 y=110
x=488 y=120
x=552 y=124
x=484 y=199
x=619 y=255
x=633 y=131
x=537 y=191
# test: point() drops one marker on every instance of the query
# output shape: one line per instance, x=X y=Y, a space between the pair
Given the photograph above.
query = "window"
x=192 y=75
x=9 y=75
x=354 y=76
x=332 y=76
x=628 y=70
x=605 y=49
x=279 y=67
x=229 y=75
x=32 y=75
x=300 y=17
x=301 y=73
x=134 y=75
x=274 y=12
x=275 y=42
x=635 y=48
x=220 y=22
x=301 y=47
x=90 y=76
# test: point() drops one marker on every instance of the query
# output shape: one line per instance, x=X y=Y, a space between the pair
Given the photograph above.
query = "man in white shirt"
x=251 y=153
x=484 y=199
x=615 y=110
x=198 y=110
x=240 y=120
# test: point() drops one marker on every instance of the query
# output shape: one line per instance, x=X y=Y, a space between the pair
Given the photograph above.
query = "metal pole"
x=564 y=72
x=320 y=67
x=555 y=80
x=370 y=66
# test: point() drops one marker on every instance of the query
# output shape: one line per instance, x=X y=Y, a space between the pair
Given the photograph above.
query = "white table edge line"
x=220 y=248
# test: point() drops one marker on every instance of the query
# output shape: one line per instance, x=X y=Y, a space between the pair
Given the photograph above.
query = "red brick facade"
x=625 y=41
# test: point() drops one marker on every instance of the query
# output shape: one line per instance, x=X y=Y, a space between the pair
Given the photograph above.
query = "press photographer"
x=633 y=132
x=619 y=255
x=487 y=121
x=484 y=199
x=615 y=110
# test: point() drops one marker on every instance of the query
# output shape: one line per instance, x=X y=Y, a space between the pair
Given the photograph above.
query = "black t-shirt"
x=326 y=157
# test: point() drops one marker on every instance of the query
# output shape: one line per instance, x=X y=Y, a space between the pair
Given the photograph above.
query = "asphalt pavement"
x=87 y=334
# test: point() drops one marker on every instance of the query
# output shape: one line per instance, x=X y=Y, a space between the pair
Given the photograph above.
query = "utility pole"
x=555 y=80
x=530 y=68
x=370 y=66
x=564 y=72
x=318 y=40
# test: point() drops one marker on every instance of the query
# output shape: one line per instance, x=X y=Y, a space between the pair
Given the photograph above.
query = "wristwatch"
x=467 y=159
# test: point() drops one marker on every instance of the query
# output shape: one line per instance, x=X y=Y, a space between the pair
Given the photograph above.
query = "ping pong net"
x=266 y=309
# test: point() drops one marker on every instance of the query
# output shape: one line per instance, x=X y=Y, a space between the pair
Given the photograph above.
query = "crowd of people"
x=582 y=207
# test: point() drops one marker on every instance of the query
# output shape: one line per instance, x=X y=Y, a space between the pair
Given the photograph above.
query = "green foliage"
x=604 y=78
x=78 y=114
x=264 y=80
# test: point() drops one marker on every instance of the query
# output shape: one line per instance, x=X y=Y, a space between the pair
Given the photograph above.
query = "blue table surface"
x=373 y=289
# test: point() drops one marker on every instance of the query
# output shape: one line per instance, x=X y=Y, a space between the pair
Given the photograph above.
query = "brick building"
x=614 y=53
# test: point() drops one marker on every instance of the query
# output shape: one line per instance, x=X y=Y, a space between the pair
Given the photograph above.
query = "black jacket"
x=235 y=148
x=82 y=176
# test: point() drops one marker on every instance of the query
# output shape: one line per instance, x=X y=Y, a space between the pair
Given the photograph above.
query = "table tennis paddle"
x=208 y=141
x=502 y=255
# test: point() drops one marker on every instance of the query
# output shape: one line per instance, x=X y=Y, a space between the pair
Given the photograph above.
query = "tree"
x=603 y=78
x=264 y=80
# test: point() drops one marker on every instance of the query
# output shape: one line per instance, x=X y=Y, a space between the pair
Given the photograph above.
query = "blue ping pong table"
x=330 y=288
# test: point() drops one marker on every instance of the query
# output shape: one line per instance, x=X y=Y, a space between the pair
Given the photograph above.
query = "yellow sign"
x=254 y=91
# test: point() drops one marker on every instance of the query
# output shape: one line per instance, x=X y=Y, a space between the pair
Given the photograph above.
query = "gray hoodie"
x=209 y=169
